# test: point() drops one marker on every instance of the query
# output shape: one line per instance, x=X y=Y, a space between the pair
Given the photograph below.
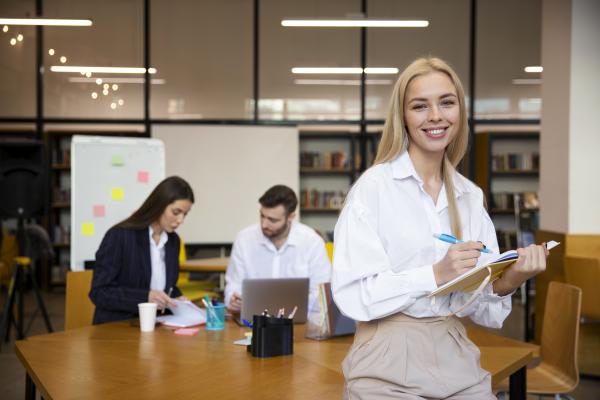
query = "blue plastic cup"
x=215 y=317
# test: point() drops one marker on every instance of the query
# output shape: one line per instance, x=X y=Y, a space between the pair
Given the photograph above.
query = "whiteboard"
x=110 y=179
x=229 y=168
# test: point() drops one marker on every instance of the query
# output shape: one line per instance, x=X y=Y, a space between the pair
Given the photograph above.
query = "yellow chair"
x=193 y=290
x=329 y=248
x=79 y=309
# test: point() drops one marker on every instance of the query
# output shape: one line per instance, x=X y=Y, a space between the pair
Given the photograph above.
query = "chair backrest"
x=584 y=273
x=560 y=329
x=79 y=309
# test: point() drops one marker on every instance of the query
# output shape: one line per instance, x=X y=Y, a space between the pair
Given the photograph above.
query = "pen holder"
x=272 y=336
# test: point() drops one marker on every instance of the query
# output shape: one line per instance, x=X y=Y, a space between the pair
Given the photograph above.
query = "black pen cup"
x=272 y=336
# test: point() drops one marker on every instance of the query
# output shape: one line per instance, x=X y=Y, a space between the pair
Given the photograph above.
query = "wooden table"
x=116 y=361
x=218 y=264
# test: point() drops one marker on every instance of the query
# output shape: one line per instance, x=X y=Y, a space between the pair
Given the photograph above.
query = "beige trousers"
x=400 y=357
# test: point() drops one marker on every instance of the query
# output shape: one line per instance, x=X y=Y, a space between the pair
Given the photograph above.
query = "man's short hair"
x=280 y=194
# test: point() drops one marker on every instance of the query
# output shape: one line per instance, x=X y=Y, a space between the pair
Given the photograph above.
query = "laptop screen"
x=259 y=295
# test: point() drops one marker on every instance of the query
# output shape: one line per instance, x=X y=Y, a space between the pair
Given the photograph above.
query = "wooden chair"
x=79 y=309
x=584 y=273
x=557 y=373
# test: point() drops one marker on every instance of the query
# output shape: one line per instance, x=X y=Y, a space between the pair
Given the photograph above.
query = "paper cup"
x=147 y=316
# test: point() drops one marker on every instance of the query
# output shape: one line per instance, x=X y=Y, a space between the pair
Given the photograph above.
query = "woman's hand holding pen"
x=531 y=261
x=460 y=258
x=161 y=299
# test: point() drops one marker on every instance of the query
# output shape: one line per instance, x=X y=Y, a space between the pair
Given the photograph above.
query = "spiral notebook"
x=470 y=280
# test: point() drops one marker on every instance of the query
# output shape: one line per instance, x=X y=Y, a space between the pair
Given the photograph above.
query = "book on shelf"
x=323 y=160
x=516 y=162
x=471 y=280
x=506 y=200
x=313 y=198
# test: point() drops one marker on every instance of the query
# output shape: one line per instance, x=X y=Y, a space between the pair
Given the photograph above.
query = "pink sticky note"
x=187 y=331
x=99 y=211
x=142 y=176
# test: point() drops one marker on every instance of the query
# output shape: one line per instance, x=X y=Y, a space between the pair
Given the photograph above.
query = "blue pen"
x=444 y=237
x=247 y=323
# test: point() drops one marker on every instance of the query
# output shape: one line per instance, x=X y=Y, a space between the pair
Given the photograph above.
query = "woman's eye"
x=448 y=103
x=419 y=107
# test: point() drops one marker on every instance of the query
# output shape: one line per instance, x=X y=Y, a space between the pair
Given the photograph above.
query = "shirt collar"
x=403 y=167
x=292 y=239
x=161 y=242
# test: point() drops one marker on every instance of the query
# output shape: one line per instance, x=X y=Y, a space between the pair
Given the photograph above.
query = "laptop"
x=259 y=295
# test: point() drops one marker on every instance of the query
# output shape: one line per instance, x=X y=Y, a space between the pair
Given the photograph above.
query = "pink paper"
x=99 y=211
x=187 y=331
x=142 y=176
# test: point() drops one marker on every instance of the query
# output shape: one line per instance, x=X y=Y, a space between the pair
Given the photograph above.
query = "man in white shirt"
x=277 y=247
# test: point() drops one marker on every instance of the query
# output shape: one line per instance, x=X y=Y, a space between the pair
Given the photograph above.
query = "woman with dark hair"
x=138 y=259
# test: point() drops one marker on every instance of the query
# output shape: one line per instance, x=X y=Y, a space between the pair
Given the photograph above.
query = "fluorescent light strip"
x=341 y=82
x=45 y=22
x=102 y=70
x=527 y=81
x=115 y=80
x=534 y=69
x=354 y=23
x=349 y=70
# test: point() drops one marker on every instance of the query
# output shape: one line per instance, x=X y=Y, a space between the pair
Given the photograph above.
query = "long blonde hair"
x=395 y=138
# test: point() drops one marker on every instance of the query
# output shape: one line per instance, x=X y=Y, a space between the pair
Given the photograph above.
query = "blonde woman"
x=386 y=260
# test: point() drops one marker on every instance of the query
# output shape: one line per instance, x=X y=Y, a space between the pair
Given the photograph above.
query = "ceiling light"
x=353 y=23
x=106 y=86
x=5 y=29
x=51 y=52
x=105 y=70
x=63 y=59
x=46 y=21
x=94 y=95
x=105 y=92
x=350 y=70
x=342 y=82
x=13 y=41
x=113 y=105
x=20 y=37
x=535 y=81
x=121 y=102
x=88 y=74
x=115 y=87
x=154 y=81
x=534 y=69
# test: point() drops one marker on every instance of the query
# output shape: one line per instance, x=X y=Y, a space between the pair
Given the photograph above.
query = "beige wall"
x=584 y=129
x=554 y=138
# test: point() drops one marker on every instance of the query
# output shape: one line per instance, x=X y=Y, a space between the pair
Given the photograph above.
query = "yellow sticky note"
x=117 y=160
x=117 y=193
x=87 y=229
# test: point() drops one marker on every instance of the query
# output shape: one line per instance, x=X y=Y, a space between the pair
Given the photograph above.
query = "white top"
x=157 y=260
x=385 y=249
x=255 y=257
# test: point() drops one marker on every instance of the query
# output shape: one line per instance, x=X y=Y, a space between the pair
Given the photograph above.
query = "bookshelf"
x=507 y=169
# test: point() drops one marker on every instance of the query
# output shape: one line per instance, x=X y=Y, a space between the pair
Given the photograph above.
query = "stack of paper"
x=185 y=314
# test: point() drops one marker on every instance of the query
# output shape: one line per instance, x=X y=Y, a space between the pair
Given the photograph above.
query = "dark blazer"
x=122 y=273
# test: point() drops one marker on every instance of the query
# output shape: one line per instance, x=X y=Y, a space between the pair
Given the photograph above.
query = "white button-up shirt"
x=157 y=260
x=255 y=257
x=385 y=250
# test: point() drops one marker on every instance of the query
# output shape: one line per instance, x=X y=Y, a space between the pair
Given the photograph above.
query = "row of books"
x=526 y=200
x=61 y=234
x=332 y=160
x=516 y=161
x=61 y=156
x=313 y=198
x=61 y=195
